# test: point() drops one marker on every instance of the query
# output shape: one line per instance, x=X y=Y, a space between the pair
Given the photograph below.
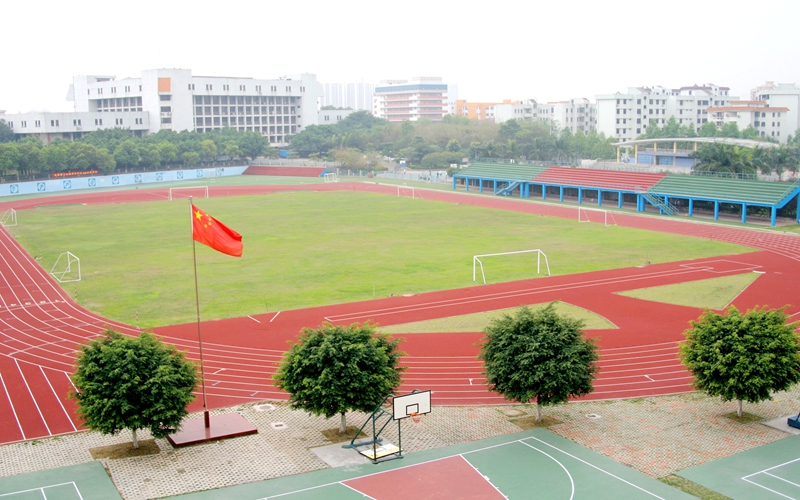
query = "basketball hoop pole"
x=206 y=418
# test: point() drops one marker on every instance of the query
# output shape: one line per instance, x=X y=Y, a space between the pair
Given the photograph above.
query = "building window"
x=288 y=88
x=53 y=123
x=76 y=122
x=165 y=97
x=118 y=121
x=242 y=88
x=113 y=90
x=166 y=120
x=127 y=88
x=226 y=87
x=166 y=109
x=99 y=91
x=37 y=123
x=208 y=87
x=191 y=86
x=24 y=124
x=258 y=88
x=98 y=121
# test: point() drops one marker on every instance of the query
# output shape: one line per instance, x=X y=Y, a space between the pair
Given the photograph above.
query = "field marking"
x=13 y=409
x=42 y=488
x=766 y=472
x=596 y=467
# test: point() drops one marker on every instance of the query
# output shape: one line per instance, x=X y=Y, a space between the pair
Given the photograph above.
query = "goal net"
x=477 y=262
x=9 y=218
x=67 y=268
x=181 y=193
x=331 y=177
x=408 y=192
x=596 y=215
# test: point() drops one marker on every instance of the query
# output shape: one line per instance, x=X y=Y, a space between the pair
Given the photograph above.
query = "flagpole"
x=206 y=418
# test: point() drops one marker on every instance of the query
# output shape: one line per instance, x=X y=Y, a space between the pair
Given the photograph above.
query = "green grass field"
x=313 y=248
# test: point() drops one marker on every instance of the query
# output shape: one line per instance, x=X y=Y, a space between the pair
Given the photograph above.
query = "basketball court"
x=768 y=472
x=528 y=464
x=86 y=481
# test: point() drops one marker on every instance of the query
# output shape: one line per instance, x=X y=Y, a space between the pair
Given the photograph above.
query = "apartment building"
x=782 y=95
x=577 y=115
x=421 y=98
x=175 y=99
x=768 y=121
x=480 y=111
x=355 y=96
x=626 y=116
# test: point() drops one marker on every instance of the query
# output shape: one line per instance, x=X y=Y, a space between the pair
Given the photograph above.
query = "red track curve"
x=41 y=327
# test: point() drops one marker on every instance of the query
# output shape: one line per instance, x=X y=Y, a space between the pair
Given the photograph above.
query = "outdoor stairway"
x=659 y=202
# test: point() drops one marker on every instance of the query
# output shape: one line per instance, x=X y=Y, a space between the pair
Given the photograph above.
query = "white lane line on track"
x=66 y=413
x=13 y=410
x=28 y=387
x=257 y=321
x=273 y=318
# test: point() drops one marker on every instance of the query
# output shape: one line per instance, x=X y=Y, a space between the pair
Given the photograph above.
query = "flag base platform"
x=223 y=426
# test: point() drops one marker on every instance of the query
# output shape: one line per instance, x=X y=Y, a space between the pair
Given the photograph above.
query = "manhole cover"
x=592 y=416
x=278 y=426
x=264 y=407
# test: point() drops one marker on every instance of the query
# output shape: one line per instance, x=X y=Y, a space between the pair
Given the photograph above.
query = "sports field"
x=315 y=248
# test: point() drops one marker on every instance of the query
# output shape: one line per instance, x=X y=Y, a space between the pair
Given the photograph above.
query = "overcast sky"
x=491 y=50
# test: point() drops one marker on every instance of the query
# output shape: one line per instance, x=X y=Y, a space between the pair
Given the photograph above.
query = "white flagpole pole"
x=206 y=418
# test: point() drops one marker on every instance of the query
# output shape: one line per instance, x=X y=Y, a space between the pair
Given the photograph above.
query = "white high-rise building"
x=781 y=95
x=422 y=97
x=174 y=99
x=577 y=115
x=626 y=116
x=355 y=96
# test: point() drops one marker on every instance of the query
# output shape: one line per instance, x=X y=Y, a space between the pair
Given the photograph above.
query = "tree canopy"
x=538 y=355
x=742 y=357
x=335 y=369
x=132 y=383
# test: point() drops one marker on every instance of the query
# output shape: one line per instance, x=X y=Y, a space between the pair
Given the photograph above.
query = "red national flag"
x=209 y=231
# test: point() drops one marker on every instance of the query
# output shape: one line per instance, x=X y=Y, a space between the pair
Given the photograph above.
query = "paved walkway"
x=657 y=436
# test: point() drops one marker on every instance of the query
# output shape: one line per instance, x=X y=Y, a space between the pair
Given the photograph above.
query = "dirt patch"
x=126 y=450
x=746 y=418
x=333 y=435
x=526 y=423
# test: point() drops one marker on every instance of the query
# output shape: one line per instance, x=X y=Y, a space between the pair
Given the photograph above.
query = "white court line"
x=571 y=482
x=273 y=318
x=768 y=489
x=257 y=321
x=42 y=488
x=595 y=467
x=498 y=489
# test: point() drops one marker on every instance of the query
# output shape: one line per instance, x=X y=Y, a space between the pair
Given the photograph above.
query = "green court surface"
x=768 y=472
x=86 y=481
x=523 y=465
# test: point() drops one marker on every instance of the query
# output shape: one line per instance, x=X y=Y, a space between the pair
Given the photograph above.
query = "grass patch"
x=526 y=423
x=304 y=249
x=126 y=450
x=478 y=321
x=746 y=418
x=334 y=436
x=714 y=293
x=692 y=488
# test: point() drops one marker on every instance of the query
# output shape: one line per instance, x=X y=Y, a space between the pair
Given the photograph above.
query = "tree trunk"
x=343 y=424
x=739 y=409
x=135 y=440
x=538 y=412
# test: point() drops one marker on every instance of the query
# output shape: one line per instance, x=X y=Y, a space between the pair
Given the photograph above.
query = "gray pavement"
x=656 y=436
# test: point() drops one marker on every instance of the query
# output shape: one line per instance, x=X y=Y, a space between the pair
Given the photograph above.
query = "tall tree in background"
x=742 y=357
x=132 y=383
x=335 y=369
x=538 y=355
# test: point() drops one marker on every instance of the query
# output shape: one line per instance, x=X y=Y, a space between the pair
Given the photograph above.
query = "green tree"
x=167 y=152
x=6 y=134
x=190 y=158
x=538 y=355
x=335 y=369
x=30 y=156
x=132 y=383
x=127 y=154
x=9 y=157
x=742 y=357
x=708 y=129
x=252 y=144
x=208 y=150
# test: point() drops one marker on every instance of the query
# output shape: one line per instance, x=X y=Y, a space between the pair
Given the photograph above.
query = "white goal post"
x=330 y=177
x=69 y=269
x=585 y=215
x=476 y=261
x=408 y=192
x=185 y=192
x=9 y=218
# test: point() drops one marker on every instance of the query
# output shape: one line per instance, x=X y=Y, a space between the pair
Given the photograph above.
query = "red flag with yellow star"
x=209 y=231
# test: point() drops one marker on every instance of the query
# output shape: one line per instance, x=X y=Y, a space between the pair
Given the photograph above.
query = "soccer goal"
x=408 y=192
x=477 y=262
x=181 y=193
x=67 y=268
x=596 y=215
x=330 y=177
x=9 y=218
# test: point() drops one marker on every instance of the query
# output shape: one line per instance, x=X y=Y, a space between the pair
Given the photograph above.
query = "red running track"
x=41 y=327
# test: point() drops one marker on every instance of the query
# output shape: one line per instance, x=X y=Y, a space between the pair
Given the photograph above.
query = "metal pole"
x=206 y=418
